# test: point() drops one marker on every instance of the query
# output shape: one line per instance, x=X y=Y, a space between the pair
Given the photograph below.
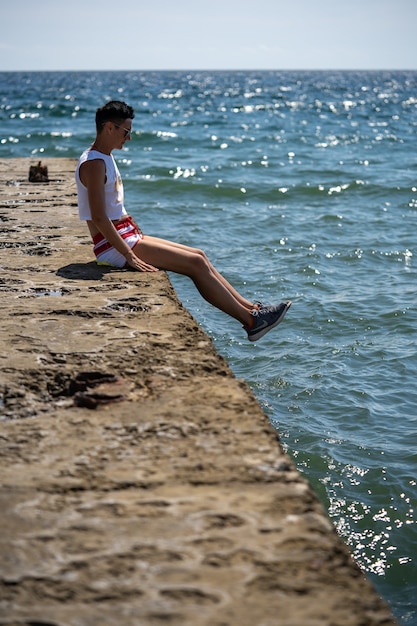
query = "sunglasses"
x=128 y=131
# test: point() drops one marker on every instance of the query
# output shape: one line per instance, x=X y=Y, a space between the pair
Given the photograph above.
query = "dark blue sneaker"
x=266 y=318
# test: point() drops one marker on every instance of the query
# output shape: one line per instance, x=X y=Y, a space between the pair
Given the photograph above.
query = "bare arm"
x=93 y=176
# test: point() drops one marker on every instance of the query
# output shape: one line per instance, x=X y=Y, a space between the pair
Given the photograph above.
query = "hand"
x=138 y=264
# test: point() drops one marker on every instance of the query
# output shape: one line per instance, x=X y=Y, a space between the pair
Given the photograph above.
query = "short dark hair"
x=114 y=111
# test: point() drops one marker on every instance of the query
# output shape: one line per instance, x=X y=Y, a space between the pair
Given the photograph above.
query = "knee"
x=200 y=261
x=200 y=253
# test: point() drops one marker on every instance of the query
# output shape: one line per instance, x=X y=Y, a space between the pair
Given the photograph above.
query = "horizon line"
x=242 y=69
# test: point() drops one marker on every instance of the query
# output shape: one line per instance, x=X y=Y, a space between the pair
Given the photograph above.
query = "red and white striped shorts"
x=106 y=254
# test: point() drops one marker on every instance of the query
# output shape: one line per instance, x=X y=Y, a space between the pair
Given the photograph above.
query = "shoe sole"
x=263 y=331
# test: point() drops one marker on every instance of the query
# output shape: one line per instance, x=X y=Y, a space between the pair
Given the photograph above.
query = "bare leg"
x=192 y=262
x=246 y=303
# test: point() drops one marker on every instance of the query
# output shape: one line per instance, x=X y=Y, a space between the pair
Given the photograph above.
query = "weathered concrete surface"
x=173 y=504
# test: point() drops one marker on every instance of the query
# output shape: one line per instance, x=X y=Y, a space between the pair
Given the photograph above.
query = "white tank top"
x=113 y=187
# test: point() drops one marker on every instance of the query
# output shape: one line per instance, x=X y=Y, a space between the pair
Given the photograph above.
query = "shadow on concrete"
x=86 y=271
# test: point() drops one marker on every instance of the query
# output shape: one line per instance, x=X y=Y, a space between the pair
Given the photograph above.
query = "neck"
x=100 y=148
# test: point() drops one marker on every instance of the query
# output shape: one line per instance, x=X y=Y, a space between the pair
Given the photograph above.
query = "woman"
x=119 y=242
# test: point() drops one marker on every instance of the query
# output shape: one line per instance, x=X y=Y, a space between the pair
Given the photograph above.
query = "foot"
x=265 y=319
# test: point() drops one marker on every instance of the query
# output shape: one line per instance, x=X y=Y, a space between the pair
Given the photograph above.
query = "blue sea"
x=299 y=185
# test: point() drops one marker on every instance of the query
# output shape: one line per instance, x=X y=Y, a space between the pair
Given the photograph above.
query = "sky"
x=207 y=34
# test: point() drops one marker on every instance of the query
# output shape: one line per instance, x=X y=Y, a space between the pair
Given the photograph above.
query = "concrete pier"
x=140 y=481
